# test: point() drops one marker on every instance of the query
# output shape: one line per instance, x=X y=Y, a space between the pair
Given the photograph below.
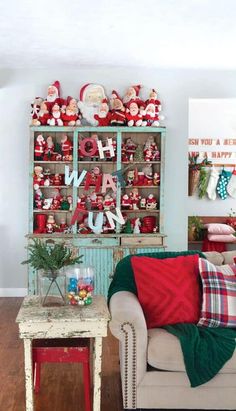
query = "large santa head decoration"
x=91 y=96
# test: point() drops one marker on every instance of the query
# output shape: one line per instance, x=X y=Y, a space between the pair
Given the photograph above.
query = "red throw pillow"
x=168 y=289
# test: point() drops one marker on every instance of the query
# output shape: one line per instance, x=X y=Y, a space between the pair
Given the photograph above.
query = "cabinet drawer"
x=96 y=242
x=142 y=241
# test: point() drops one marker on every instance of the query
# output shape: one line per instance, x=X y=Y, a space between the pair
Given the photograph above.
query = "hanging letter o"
x=92 y=150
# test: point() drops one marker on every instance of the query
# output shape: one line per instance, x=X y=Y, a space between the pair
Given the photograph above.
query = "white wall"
x=17 y=89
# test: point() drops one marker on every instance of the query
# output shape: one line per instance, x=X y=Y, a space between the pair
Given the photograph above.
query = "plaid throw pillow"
x=219 y=295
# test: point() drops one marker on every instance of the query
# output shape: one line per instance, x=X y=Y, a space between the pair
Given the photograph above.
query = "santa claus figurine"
x=63 y=226
x=108 y=202
x=126 y=202
x=151 y=202
x=81 y=202
x=130 y=148
x=133 y=116
x=91 y=96
x=66 y=148
x=53 y=95
x=49 y=149
x=38 y=178
x=70 y=116
x=118 y=117
x=51 y=224
x=103 y=116
x=135 y=199
x=39 y=147
x=132 y=93
x=151 y=118
x=57 y=179
x=55 y=118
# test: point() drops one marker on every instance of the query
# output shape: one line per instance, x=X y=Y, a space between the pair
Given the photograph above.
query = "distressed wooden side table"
x=37 y=322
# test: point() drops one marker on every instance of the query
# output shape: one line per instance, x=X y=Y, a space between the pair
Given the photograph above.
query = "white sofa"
x=167 y=385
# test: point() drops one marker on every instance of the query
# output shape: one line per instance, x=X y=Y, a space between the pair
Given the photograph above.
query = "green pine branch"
x=50 y=258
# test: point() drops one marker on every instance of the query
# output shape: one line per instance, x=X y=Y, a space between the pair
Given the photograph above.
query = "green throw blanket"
x=205 y=350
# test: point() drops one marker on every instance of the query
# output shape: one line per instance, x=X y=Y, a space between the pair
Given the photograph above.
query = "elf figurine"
x=66 y=148
x=103 y=116
x=118 y=117
x=39 y=147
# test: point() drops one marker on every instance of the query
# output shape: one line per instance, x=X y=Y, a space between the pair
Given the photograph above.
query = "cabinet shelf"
x=54 y=187
x=52 y=162
x=141 y=162
x=51 y=211
x=141 y=211
x=152 y=186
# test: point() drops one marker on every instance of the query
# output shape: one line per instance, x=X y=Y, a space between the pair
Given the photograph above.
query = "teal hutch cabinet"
x=75 y=171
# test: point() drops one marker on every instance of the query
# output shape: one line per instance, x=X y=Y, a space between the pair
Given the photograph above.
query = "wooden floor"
x=61 y=387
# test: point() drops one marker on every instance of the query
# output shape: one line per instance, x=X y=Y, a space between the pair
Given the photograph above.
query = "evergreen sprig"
x=50 y=258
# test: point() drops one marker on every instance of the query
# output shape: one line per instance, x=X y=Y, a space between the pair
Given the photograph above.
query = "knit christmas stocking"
x=222 y=184
x=212 y=183
x=231 y=187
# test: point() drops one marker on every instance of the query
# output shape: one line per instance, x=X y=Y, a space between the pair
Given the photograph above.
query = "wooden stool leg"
x=86 y=377
x=37 y=370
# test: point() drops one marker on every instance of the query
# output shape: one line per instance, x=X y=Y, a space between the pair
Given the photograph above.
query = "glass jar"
x=52 y=288
x=80 y=285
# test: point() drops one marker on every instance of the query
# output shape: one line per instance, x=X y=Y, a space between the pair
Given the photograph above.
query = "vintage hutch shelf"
x=103 y=251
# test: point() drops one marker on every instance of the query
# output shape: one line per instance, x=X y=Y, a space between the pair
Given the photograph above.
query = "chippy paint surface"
x=36 y=321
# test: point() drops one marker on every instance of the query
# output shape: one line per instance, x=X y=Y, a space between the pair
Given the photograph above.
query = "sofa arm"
x=129 y=326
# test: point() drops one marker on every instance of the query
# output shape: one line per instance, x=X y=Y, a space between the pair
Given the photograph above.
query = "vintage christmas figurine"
x=39 y=147
x=70 y=116
x=103 y=116
x=91 y=96
x=118 y=117
x=133 y=116
x=56 y=116
x=66 y=148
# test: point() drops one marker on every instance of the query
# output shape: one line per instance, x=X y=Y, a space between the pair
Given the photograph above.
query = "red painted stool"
x=61 y=350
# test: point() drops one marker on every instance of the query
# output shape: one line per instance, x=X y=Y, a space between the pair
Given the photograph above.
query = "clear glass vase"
x=52 y=288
